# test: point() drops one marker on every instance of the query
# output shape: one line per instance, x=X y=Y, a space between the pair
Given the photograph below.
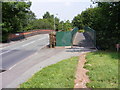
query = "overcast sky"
x=66 y=9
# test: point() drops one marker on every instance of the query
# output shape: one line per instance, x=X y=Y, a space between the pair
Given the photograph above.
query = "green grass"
x=60 y=75
x=103 y=69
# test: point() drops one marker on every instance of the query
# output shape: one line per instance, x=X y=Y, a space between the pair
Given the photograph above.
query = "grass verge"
x=60 y=75
x=103 y=69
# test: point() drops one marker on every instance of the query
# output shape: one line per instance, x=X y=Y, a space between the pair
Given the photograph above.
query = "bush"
x=81 y=31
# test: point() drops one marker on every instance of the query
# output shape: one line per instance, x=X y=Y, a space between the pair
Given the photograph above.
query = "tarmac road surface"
x=20 y=50
x=32 y=58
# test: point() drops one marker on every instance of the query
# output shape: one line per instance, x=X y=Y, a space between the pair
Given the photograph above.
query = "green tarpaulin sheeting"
x=91 y=33
x=65 y=38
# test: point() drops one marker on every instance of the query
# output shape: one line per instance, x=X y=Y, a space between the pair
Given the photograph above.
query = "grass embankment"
x=103 y=69
x=60 y=75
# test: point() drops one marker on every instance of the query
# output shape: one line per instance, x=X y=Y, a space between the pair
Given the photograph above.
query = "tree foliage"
x=15 y=17
x=105 y=20
x=47 y=15
x=48 y=21
x=67 y=25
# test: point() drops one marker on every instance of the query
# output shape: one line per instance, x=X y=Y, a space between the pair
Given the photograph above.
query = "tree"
x=15 y=17
x=47 y=15
x=48 y=21
x=104 y=19
x=77 y=21
x=60 y=25
x=30 y=18
x=67 y=26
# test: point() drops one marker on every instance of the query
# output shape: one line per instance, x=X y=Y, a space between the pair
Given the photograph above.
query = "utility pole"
x=54 y=22
x=62 y=25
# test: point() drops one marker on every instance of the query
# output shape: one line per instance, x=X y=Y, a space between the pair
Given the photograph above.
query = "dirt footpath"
x=81 y=77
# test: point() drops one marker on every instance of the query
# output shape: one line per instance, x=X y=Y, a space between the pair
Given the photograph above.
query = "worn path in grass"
x=81 y=78
x=83 y=41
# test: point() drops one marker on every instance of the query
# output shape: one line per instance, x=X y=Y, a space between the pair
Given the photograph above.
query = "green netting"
x=65 y=38
x=74 y=31
x=92 y=34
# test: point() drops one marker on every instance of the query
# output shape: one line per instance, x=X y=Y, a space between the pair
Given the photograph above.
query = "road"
x=20 y=50
x=21 y=70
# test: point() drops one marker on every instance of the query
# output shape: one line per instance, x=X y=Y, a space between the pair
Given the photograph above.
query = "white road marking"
x=32 y=42
x=42 y=38
x=8 y=51
x=22 y=46
x=27 y=57
x=12 y=67
x=28 y=44
x=1 y=48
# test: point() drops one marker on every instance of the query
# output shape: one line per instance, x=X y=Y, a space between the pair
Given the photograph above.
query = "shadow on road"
x=79 y=49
